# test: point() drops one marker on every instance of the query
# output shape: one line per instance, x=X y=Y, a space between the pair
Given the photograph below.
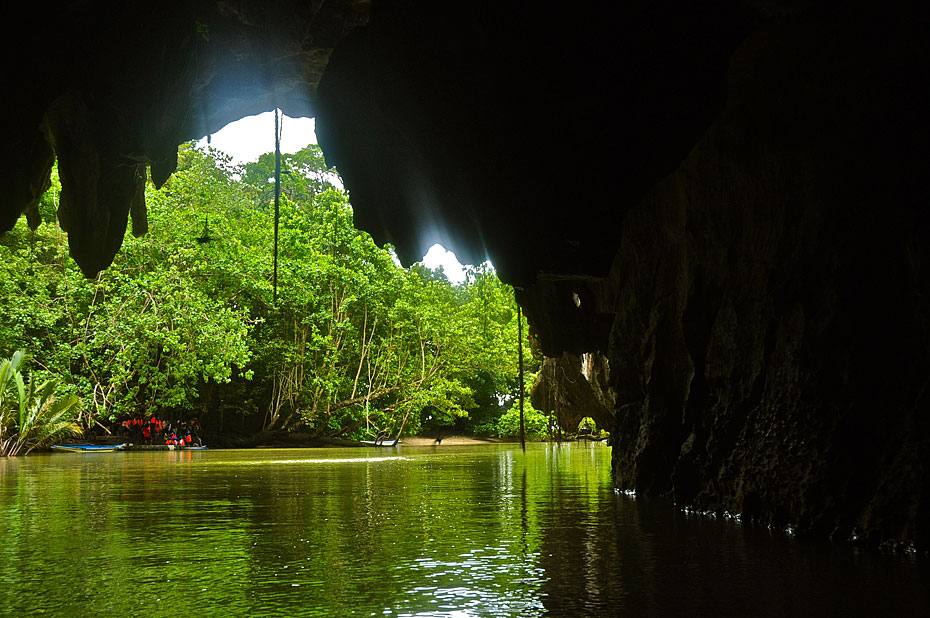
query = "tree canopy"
x=184 y=323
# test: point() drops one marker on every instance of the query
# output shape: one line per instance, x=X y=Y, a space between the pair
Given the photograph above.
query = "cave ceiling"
x=502 y=129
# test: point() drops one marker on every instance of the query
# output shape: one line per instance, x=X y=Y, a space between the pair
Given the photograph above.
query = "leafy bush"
x=31 y=417
x=535 y=422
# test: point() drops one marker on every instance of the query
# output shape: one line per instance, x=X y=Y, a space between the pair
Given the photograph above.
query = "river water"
x=428 y=531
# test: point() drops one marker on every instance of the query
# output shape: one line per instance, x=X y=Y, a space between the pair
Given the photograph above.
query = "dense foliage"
x=31 y=416
x=186 y=323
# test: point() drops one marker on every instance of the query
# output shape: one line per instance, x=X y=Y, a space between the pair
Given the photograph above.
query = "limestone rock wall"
x=574 y=387
x=770 y=343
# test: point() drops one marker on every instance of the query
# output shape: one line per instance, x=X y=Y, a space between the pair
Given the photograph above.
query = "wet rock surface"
x=574 y=387
x=770 y=346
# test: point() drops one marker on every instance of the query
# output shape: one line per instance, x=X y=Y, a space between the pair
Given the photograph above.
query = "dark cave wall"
x=770 y=343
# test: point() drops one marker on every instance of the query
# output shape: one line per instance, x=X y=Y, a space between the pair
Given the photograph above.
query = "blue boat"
x=87 y=448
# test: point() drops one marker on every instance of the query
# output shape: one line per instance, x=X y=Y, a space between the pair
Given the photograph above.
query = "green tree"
x=304 y=175
x=185 y=320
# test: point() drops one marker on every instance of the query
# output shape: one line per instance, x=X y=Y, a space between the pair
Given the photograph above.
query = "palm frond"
x=42 y=419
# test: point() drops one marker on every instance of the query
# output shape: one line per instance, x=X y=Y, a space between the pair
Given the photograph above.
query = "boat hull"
x=380 y=442
x=87 y=448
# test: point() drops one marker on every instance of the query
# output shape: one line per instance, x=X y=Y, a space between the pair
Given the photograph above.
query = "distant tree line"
x=184 y=322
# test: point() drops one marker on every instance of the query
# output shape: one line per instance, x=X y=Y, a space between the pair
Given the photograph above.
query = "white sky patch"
x=437 y=256
x=248 y=138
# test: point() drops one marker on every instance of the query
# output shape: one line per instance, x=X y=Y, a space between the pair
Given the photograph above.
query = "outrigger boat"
x=88 y=448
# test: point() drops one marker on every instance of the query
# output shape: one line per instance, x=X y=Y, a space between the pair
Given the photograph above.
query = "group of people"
x=156 y=431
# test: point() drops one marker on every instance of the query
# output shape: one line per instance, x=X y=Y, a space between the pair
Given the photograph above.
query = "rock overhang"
x=510 y=133
x=488 y=121
x=114 y=88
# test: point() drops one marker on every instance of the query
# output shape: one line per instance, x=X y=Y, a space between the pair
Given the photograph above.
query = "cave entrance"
x=247 y=139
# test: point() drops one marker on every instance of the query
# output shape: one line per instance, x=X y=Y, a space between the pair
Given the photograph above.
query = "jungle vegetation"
x=185 y=322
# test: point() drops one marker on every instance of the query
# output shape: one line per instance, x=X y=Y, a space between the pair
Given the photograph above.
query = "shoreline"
x=452 y=441
x=297 y=440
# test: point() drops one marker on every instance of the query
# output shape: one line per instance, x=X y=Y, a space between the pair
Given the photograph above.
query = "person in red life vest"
x=147 y=434
x=188 y=439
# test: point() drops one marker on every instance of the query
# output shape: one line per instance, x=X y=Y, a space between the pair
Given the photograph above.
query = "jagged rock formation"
x=114 y=87
x=726 y=200
x=505 y=123
x=574 y=387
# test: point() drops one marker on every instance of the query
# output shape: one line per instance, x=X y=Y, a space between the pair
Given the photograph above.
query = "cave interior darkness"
x=725 y=201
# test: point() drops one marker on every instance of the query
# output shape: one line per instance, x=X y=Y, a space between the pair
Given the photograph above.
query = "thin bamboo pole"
x=277 y=198
x=520 y=359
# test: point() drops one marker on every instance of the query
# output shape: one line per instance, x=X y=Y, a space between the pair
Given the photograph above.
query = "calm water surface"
x=433 y=531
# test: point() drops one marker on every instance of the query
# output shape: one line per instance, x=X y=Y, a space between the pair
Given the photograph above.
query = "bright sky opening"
x=248 y=138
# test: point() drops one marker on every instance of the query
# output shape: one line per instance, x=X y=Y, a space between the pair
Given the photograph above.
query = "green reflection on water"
x=436 y=531
x=454 y=531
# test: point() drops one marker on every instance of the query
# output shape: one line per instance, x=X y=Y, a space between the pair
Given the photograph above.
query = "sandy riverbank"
x=451 y=440
x=279 y=439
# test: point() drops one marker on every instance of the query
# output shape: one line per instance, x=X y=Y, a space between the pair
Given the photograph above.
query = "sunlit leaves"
x=186 y=314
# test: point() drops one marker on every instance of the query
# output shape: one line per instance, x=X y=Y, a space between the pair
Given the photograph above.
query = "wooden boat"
x=87 y=448
x=380 y=442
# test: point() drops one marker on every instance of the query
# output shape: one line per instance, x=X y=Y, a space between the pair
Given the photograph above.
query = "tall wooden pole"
x=520 y=359
x=277 y=198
